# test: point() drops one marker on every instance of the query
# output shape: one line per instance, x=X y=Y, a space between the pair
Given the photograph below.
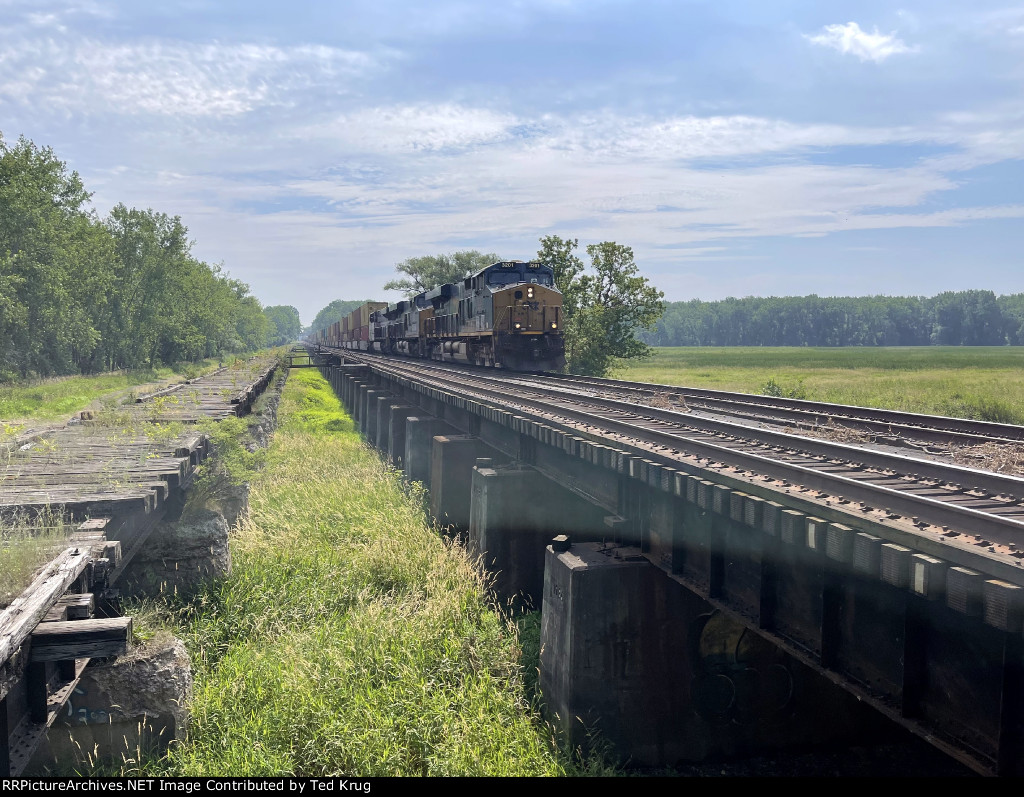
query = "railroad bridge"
x=715 y=587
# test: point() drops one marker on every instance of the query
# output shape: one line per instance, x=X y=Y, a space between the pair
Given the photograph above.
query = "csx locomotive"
x=507 y=315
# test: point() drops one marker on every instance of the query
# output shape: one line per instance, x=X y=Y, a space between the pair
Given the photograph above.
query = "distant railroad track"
x=975 y=510
x=892 y=424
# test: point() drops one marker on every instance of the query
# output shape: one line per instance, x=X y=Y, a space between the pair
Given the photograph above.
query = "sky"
x=741 y=148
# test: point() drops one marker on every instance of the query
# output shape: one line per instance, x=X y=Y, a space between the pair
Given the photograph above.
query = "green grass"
x=53 y=399
x=984 y=383
x=350 y=638
x=27 y=542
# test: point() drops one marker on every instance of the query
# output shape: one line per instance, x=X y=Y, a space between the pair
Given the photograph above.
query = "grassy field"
x=985 y=383
x=350 y=638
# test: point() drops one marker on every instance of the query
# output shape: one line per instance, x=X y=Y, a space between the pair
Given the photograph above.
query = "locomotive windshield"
x=512 y=277
x=504 y=278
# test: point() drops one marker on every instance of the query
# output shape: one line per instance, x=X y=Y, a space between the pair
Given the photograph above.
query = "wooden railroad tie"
x=81 y=639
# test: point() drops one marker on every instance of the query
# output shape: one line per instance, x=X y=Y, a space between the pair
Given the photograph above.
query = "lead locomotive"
x=507 y=315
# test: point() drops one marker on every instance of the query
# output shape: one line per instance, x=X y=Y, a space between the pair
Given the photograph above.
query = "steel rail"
x=987 y=430
x=994 y=528
x=956 y=475
x=895 y=433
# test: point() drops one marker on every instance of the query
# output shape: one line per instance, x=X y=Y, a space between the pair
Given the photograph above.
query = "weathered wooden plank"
x=81 y=639
x=26 y=611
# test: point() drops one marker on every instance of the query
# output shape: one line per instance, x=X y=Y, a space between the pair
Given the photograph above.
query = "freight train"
x=507 y=315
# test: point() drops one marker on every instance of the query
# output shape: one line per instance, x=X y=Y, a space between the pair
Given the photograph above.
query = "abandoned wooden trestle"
x=116 y=475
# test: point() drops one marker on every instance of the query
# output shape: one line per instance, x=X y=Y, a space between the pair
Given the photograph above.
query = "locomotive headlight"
x=529 y=293
x=554 y=325
x=518 y=326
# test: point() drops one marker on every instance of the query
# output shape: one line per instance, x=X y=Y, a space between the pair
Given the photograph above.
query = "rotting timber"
x=715 y=584
x=115 y=475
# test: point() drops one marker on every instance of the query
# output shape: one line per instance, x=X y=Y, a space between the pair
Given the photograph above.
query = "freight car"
x=507 y=315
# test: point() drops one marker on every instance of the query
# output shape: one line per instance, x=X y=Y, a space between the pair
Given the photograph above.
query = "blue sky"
x=740 y=148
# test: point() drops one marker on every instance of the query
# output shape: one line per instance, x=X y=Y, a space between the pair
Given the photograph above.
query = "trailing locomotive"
x=507 y=315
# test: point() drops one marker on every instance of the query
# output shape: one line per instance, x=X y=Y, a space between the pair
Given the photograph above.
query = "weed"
x=28 y=541
x=773 y=388
x=157 y=408
x=52 y=399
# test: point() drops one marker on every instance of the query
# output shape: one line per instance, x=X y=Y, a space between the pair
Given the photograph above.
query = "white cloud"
x=410 y=128
x=349 y=229
x=607 y=137
x=168 y=78
x=44 y=21
x=849 y=38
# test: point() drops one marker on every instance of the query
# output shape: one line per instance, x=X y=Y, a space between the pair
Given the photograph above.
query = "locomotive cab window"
x=504 y=278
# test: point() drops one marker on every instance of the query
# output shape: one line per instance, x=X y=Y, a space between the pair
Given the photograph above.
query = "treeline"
x=961 y=318
x=81 y=294
x=285 y=326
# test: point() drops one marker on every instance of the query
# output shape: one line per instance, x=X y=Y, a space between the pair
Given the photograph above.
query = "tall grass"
x=27 y=542
x=350 y=637
x=984 y=383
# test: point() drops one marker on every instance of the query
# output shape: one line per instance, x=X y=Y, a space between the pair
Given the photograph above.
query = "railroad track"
x=120 y=472
x=891 y=425
x=966 y=508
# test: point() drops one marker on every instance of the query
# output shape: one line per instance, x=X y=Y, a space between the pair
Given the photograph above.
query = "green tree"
x=169 y=306
x=250 y=327
x=54 y=264
x=559 y=254
x=603 y=304
x=77 y=293
x=285 y=322
x=151 y=248
x=429 y=271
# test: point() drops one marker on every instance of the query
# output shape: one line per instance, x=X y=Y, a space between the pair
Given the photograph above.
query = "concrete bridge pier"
x=368 y=422
x=452 y=457
x=396 y=422
x=357 y=401
x=344 y=374
x=380 y=421
x=419 y=439
x=636 y=664
x=514 y=511
x=351 y=375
